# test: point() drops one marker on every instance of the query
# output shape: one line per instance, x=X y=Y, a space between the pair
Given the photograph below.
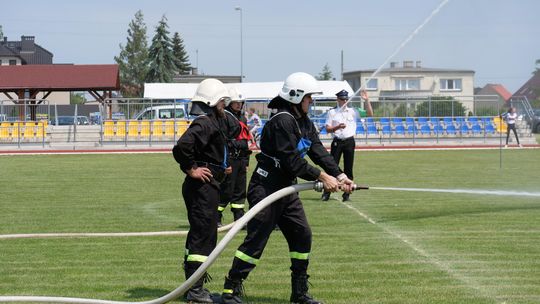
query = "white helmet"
x=235 y=96
x=297 y=85
x=210 y=91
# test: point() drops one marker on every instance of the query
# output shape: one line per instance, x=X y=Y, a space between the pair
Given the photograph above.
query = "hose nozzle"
x=318 y=186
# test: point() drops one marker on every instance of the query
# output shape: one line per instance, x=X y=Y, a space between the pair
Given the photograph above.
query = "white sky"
x=497 y=39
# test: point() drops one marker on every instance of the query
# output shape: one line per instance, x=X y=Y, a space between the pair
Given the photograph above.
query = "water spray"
x=401 y=46
x=464 y=191
x=180 y=290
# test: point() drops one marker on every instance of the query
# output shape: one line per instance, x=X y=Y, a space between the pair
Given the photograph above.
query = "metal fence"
x=150 y=121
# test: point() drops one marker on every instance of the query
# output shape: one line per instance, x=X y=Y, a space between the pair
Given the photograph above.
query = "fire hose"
x=180 y=290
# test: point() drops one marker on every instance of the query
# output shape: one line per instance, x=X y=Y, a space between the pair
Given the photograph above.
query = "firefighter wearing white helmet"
x=286 y=138
x=233 y=188
x=202 y=154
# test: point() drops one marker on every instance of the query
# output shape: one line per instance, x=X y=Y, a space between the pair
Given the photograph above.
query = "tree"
x=535 y=72
x=440 y=106
x=180 y=55
x=1 y=33
x=326 y=73
x=161 y=62
x=133 y=59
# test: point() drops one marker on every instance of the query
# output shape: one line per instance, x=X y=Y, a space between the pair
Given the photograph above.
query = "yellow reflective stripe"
x=196 y=258
x=227 y=291
x=299 y=256
x=219 y=208
x=237 y=206
x=246 y=258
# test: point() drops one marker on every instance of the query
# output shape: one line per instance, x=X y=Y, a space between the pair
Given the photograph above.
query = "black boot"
x=325 y=196
x=220 y=217
x=197 y=293
x=346 y=197
x=300 y=295
x=232 y=290
x=237 y=213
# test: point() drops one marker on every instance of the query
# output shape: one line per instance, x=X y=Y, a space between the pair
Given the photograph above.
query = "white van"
x=178 y=111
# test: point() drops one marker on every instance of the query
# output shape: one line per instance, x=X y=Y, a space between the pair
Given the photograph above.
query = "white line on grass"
x=432 y=259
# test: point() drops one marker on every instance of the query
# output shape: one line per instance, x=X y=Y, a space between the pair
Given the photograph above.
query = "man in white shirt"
x=342 y=122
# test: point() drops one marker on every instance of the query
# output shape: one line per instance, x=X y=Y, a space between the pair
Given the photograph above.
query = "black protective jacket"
x=279 y=140
x=238 y=148
x=204 y=141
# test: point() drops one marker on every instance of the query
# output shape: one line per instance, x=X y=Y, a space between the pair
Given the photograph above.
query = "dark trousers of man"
x=201 y=204
x=513 y=128
x=344 y=147
x=289 y=215
x=233 y=188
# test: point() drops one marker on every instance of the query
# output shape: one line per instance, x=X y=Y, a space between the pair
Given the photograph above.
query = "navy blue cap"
x=342 y=94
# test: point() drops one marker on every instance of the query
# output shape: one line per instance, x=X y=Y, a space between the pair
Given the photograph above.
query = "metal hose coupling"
x=319 y=187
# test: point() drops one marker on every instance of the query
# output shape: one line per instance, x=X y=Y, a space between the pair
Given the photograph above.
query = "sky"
x=497 y=39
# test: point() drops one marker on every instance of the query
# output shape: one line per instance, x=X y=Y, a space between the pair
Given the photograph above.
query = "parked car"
x=163 y=112
x=70 y=120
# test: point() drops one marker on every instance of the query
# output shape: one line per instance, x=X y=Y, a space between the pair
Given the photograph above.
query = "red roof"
x=55 y=77
x=502 y=91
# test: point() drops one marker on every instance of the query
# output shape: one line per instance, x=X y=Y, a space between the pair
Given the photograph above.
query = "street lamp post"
x=241 y=46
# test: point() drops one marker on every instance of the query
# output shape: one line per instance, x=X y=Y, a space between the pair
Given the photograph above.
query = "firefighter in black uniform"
x=233 y=189
x=201 y=152
x=286 y=138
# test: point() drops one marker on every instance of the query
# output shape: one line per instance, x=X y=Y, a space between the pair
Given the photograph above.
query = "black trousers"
x=513 y=128
x=201 y=203
x=344 y=147
x=233 y=188
x=288 y=214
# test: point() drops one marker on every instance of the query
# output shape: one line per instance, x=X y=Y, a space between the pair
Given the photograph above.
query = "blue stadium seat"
x=400 y=130
x=450 y=130
x=386 y=130
x=473 y=120
x=371 y=129
x=369 y=120
x=438 y=129
x=460 y=120
x=448 y=120
x=425 y=129
x=489 y=128
x=434 y=121
x=409 y=121
x=323 y=130
x=384 y=121
x=360 y=129
x=465 y=129
x=411 y=128
x=422 y=120
x=397 y=121
x=476 y=129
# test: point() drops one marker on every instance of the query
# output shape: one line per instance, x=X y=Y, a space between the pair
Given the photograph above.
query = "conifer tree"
x=133 y=58
x=161 y=62
x=180 y=55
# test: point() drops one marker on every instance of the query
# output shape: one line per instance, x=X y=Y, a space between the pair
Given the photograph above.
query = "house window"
x=12 y=62
x=407 y=84
x=372 y=84
x=450 y=84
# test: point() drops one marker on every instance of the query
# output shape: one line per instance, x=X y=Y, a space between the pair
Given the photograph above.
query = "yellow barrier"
x=133 y=128
x=157 y=128
x=145 y=128
x=181 y=127
x=500 y=125
x=169 y=128
x=108 y=128
x=29 y=131
x=121 y=128
x=4 y=130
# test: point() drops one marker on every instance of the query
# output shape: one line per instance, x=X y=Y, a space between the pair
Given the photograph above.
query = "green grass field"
x=416 y=247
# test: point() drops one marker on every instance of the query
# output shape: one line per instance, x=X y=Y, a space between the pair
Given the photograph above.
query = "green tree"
x=325 y=74
x=133 y=58
x=161 y=62
x=1 y=33
x=76 y=98
x=440 y=106
x=180 y=55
